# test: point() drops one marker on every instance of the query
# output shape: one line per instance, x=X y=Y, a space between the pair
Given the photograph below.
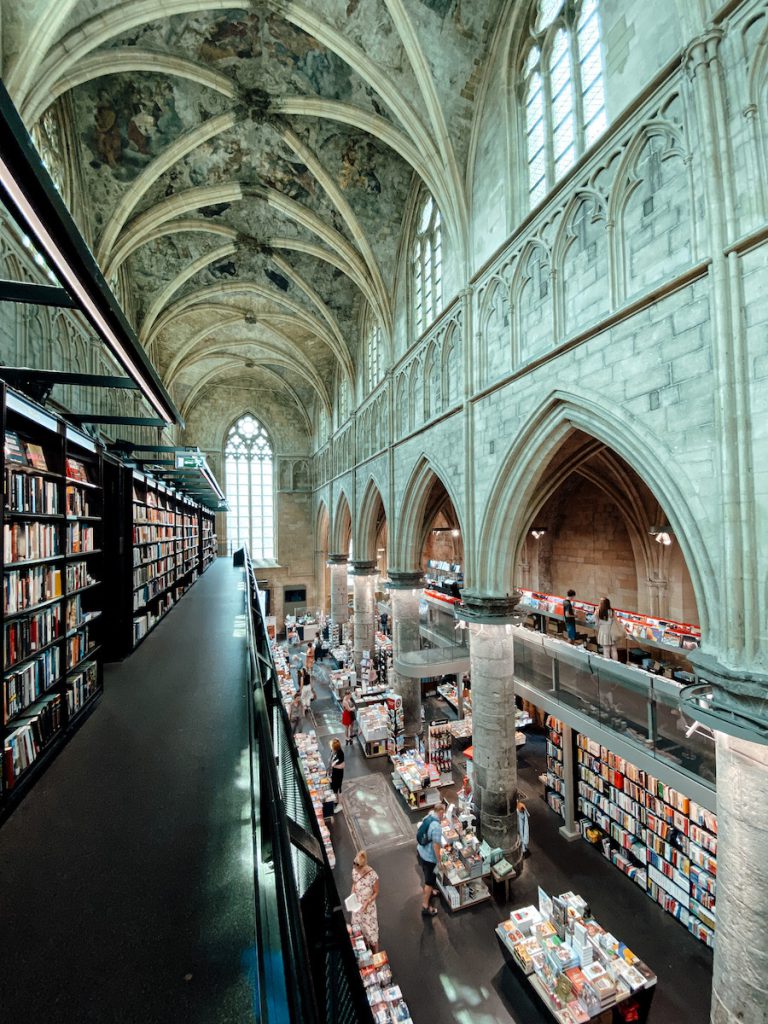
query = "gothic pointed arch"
x=414 y=521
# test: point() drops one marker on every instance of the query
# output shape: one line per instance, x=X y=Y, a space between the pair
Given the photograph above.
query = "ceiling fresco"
x=248 y=170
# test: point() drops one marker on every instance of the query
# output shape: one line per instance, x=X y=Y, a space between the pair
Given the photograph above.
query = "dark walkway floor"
x=451 y=969
x=126 y=886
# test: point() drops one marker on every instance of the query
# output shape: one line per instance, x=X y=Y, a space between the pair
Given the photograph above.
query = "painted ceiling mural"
x=246 y=171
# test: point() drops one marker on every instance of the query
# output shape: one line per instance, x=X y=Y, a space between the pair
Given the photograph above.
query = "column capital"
x=702 y=51
x=336 y=560
x=402 y=579
x=739 y=698
x=363 y=568
x=489 y=609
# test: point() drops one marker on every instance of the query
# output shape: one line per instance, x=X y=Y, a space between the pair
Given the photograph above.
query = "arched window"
x=373 y=355
x=562 y=91
x=249 y=466
x=427 y=266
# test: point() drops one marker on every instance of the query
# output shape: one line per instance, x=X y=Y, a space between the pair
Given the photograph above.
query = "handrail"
x=307 y=972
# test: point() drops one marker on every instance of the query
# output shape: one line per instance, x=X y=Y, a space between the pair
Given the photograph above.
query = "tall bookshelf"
x=661 y=839
x=207 y=539
x=52 y=569
x=554 y=787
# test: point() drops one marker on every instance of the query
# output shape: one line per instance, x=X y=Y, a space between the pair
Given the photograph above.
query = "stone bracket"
x=404 y=580
x=364 y=568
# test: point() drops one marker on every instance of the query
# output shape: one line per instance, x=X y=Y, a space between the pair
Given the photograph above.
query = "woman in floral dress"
x=365 y=885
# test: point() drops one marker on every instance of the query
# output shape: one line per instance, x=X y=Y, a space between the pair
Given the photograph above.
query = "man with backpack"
x=429 y=839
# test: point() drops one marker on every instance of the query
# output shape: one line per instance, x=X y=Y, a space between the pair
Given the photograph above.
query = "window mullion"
x=578 y=99
x=549 y=130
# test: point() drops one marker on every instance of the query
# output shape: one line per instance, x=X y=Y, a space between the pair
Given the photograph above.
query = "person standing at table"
x=365 y=885
x=347 y=716
x=569 y=614
x=295 y=713
x=606 y=629
x=305 y=692
x=428 y=853
x=336 y=768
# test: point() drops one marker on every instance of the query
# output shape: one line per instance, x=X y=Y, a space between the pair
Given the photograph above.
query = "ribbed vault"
x=246 y=170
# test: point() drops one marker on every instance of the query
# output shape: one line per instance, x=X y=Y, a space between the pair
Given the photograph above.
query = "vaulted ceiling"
x=247 y=170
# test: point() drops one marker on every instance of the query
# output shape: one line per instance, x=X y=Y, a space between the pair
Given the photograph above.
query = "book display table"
x=461 y=874
x=373 y=729
x=579 y=971
x=415 y=780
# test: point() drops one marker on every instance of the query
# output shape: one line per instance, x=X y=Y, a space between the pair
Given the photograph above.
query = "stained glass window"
x=427 y=266
x=249 y=466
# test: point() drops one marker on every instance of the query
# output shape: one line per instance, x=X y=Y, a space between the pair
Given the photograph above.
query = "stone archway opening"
x=595 y=526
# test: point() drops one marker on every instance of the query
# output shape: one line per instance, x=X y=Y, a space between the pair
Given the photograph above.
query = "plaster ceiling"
x=247 y=169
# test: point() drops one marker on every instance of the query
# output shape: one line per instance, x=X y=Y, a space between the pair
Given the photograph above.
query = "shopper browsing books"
x=336 y=768
x=309 y=659
x=365 y=886
x=296 y=713
x=523 y=826
x=429 y=839
x=569 y=614
x=306 y=692
x=608 y=629
x=348 y=716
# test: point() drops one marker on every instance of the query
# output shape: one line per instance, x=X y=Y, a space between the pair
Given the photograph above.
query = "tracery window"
x=373 y=355
x=427 y=265
x=249 y=470
x=343 y=403
x=563 y=92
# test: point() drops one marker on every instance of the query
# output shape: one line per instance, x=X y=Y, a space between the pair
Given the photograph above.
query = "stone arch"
x=506 y=519
x=533 y=330
x=639 y=268
x=341 y=531
x=370 y=512
x=411 y=534
x=495 y=331
x=581 y=263
x=452 y=369
x=433 y=380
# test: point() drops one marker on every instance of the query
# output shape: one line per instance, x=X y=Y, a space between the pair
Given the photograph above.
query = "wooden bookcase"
x=52 y=572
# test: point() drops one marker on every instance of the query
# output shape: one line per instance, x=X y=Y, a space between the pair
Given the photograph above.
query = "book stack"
x=600 y=983
x=385 y=998
x=318 y=784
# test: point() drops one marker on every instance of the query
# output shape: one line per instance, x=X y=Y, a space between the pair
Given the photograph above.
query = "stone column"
x=339 y=600
x=362 y=616
x=740 y=970
x=405 y=588
x=491 y=654
x=737 y=699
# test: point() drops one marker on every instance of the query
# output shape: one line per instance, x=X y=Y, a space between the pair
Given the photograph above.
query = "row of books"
x=23 y=687
x=154 y=587
x=78 y=645
x=24 y=453
x=23 y=637
x=81 y=686
x=25 y=492
x=77 y=501
x=30 y=737
x=151 y=570
x=150 y=534
x=25 y=588
x=78 y=576
x=30 y=541
x=151 y=552
x=80 y=538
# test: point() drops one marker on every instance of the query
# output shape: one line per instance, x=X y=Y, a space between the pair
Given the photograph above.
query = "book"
x=14 y=450
x=36 y=456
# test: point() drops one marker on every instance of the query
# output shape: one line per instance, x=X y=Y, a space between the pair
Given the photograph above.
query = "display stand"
x=373 y=729
x=577 y=969
x=662 y=840
x=439 y=740
x=318 y=784
x=413 y=780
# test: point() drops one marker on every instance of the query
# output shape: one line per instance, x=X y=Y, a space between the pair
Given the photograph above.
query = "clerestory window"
x=563 y=93
x=427 y=266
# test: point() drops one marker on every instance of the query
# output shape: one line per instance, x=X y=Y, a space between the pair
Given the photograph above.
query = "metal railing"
x=306 y=969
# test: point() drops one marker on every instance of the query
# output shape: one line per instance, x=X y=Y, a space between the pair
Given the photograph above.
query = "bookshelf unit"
x=554 y=788
x=662 y=840
x=207 y=539
x=52 y=570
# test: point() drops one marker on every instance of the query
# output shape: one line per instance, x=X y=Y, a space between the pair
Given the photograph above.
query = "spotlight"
x=538 y=531
x=661 y=534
